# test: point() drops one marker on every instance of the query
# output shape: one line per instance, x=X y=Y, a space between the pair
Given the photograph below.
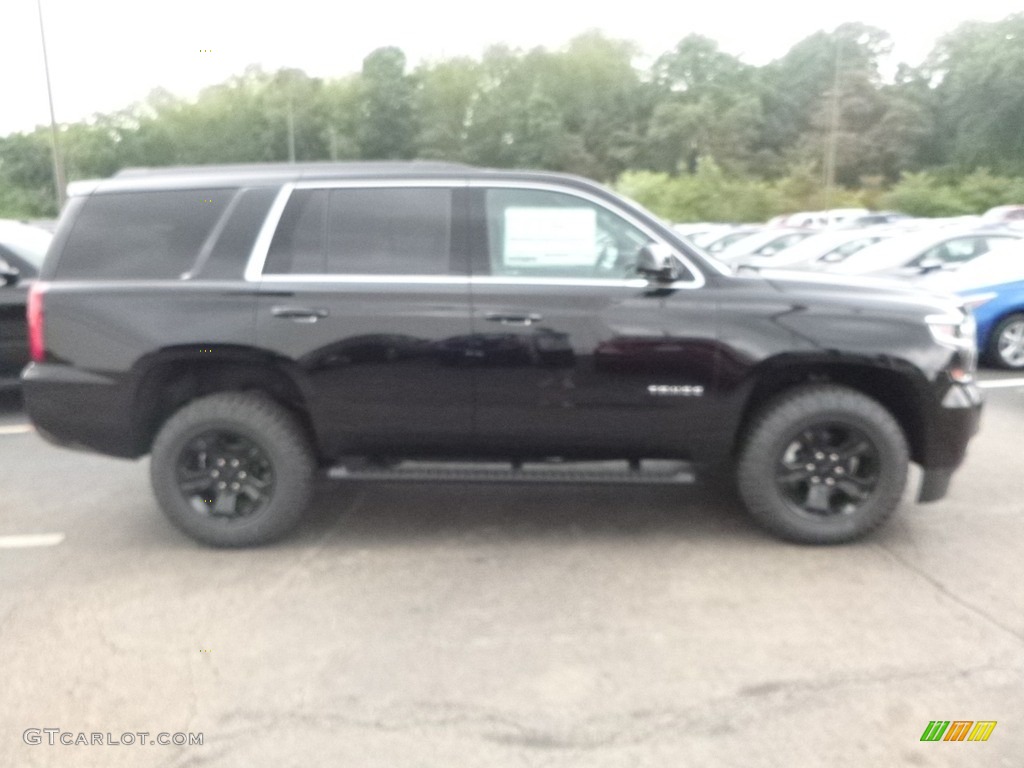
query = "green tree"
x=26 y=175
x=445 y=97
x=979 y=69
x=387 y=128
x=602 y=103
x=708 y=105
x=342 y=99
x=801 y=90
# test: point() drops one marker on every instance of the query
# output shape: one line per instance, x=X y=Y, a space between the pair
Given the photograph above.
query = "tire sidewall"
x=768 y=503
x=291 y=478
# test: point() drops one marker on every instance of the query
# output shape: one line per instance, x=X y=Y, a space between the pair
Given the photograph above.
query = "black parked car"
x=254 y=327
x=22 y=248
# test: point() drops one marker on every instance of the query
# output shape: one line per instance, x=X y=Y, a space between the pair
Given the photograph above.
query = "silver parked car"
x=916 y=253
x=823 y=248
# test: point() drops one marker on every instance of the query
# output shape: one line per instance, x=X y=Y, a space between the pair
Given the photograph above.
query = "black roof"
x=213 y=176
x=297 y=170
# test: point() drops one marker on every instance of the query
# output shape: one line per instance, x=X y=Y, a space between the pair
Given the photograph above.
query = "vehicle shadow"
x=372 y=514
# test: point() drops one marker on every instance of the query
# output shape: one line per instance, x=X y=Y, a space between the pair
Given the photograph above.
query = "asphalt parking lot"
x=446 y=625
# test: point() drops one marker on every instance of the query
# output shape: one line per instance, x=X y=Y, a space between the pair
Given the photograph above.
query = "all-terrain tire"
x=822 y=464
x=233 y=469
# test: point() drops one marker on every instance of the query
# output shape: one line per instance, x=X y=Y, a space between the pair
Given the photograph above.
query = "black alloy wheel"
x=829 y=469
x=220 y=472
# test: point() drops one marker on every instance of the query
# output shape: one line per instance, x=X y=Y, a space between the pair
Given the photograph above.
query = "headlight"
x=953 y=330
x=958 y=332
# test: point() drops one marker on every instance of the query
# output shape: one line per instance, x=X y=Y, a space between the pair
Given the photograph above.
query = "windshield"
x=841 y=244
x=1003 y=264
x=752 y=242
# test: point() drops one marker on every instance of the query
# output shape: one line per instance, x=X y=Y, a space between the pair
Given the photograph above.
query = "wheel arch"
x=173 y=377
x=898 y=388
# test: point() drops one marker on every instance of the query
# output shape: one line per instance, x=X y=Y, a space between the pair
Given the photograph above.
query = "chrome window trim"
x=261 y=247
x=581 y=282
x=258 y=257
x=213 y=237
x=373 y=279
x=379 y=183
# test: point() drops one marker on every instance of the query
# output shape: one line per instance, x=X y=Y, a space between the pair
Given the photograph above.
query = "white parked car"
x=828 y=247
x=928 y=250
x=763 y=243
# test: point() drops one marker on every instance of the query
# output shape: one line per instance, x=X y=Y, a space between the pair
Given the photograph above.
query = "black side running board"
x=642 y=472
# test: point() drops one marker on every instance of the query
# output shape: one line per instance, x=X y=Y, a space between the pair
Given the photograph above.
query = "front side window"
x=952 y=251
x=850 y=248
x=536 y=233
x=363 y=231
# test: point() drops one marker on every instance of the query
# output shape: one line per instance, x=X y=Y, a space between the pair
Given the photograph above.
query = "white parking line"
x=16 y=429
x=1001 y=383
x=31 y=540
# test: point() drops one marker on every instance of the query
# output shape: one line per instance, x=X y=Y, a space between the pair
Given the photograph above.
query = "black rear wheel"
x=823 y=464
x=232 y=469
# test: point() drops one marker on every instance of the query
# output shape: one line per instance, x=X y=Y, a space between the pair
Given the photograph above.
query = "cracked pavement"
x=447 y=625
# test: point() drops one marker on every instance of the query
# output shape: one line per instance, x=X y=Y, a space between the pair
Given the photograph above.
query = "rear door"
x=362 y=294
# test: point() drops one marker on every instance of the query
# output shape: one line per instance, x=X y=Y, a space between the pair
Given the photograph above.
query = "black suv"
x=254 y=326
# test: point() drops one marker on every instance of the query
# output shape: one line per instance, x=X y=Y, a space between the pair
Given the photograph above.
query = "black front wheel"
x=823 y=464
x=232 y=469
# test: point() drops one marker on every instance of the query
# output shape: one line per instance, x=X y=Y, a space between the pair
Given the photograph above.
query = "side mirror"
x=931 y=265
x=8 y=275
x=655 y=262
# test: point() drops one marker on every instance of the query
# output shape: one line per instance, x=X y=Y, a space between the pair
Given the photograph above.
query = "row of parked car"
x=979 y=258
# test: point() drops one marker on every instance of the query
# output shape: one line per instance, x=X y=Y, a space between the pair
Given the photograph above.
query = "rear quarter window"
x=149 y=235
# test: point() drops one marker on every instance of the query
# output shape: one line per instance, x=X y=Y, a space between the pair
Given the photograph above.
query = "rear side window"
x=369 y=231
x=141 y=235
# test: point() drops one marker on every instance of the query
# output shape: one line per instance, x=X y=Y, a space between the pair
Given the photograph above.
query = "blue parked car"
x=993 y=286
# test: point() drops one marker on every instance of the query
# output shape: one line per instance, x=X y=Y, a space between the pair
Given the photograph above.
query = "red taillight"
x=36 y=340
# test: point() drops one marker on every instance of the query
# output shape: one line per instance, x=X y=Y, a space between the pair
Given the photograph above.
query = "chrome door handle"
x=497 y=317
x=299 y=314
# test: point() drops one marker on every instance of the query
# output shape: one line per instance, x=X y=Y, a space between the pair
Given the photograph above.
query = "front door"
x=574 y=356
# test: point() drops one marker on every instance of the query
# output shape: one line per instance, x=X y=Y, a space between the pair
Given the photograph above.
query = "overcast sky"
x=107 y=54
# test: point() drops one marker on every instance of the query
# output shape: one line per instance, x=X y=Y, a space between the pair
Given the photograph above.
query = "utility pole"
x=291 y=128
x=832 y=146
x=58 y=163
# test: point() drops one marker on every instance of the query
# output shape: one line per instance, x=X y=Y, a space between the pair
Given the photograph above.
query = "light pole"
x=58 y=165
x=832 y=146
